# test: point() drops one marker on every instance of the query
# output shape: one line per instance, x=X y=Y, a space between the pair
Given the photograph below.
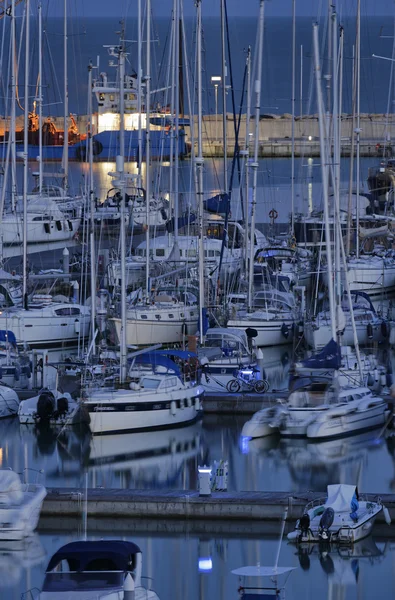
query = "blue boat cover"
x=328 y=358
x=218 y=204
x=162 y=358
x=183 y=221
x=79 y=555
x=7 y=336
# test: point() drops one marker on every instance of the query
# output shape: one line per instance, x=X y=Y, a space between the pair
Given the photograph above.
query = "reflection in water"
x=16 y=557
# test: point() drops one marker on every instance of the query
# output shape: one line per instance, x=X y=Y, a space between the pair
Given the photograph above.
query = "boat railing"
x=32 y=594
x=362 y=497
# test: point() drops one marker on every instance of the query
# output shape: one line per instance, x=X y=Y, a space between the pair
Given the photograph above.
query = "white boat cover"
x=340 y=496
x=10 y=487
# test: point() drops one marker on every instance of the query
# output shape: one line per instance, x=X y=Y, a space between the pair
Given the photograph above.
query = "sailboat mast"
x=293 y=99
x=177 y=117
x=121 y=172
x=139 y=92
x=199 y=161
x=25 y=153
x=254 y=165
x=66 y=104
x=148 y=147
x=11 y=132
x=224 y=75
x=358 y=128
x=40 y=99
x=247 y=157
x=91 y=204
x=325 y=179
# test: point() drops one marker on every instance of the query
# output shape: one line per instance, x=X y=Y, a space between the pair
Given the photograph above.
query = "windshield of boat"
x=73 y=581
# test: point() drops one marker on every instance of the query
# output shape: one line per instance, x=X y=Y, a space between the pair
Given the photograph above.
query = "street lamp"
x=215 y=81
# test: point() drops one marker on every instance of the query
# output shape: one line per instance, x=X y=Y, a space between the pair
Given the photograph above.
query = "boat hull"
x=348 y=424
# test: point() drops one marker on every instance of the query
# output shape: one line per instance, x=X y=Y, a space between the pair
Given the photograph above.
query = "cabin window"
x=150 y=384
x=191 y=253
x=111 y=97
x=171 y=316
x=157 y=317
x=101 y=97
x=132 y=97
x=160 y=252
x=144 y=316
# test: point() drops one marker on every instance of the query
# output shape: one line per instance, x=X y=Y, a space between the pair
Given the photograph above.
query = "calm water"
x=171 y=567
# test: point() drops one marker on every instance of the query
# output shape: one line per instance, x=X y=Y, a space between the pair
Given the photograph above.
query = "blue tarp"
x=82 y=553
x=328 y=358
x=7 y=336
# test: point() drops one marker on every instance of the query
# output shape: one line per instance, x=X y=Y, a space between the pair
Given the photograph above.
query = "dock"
x=183 y=505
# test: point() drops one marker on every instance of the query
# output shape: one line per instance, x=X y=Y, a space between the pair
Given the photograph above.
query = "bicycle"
x=246 y=378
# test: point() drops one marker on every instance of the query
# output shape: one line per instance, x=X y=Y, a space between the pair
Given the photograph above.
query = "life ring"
x=273 y=214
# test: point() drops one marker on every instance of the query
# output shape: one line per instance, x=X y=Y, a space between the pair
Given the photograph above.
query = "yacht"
x=159 y=395
x=20 y=506
x=47 y=322
x=48 y=407
x=357 y=410
x=342 y=517
x=86 y=570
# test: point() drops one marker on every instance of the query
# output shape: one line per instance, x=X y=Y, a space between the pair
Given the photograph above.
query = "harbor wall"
x=275 y=133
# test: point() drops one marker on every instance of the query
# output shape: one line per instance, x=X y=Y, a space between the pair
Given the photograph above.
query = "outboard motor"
x=325 y=524
x=62 y=405
x=304 y=524
x=45 y=405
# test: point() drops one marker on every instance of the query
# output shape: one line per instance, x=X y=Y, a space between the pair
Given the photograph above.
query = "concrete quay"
x=239 y=404
x=183 y=505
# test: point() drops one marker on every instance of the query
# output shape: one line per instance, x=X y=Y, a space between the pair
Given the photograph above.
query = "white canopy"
x=340 y=496
x=10 y=487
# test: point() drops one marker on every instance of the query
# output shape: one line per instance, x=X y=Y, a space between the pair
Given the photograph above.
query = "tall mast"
x=224 y=75
x=11 y=132
x=247 y=157
x=92 y=205
x=325 y=179
x=358 y=128
x=254 y=165
x=293 y=114
x=25 y=152
x=40 y=98
x=66 y=105
x=121 y=173
x=199 y=161
x=148 y=145
x=139 y=92
x=177 y=117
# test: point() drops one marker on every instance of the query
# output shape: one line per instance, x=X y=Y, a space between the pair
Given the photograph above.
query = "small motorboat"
x=49 y=407
x=20 y=506
x=343 y=517
x=86 y=570
x=264 y=422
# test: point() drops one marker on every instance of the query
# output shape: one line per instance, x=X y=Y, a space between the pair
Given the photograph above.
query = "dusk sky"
x=211 y=8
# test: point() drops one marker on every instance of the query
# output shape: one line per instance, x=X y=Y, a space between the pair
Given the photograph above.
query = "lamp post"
x=216 y=80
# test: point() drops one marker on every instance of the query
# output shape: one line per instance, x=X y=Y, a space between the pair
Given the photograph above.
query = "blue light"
x=245 y=444
x=205 y=564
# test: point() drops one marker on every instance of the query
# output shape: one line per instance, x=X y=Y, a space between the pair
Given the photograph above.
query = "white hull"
x=152 y=331
x=9 y=402
x=123 y=410
x=348 y=423
x=263 y=423
x=376 y=278
x=319 y=334
x=43 y=327
x=19 y=521
x=269 y=332
x=38 y=232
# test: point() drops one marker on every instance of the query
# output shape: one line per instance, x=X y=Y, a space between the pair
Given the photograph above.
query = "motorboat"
x=87 y=570
x=47 y=322
x=9 y=402
x=342 y=517
x=159 y=395
x=357 y=410
x=51 y=407
x=20 y=506
x=264 y=422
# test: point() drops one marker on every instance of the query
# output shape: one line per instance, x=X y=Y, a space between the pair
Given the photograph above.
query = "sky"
x=211 y=8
